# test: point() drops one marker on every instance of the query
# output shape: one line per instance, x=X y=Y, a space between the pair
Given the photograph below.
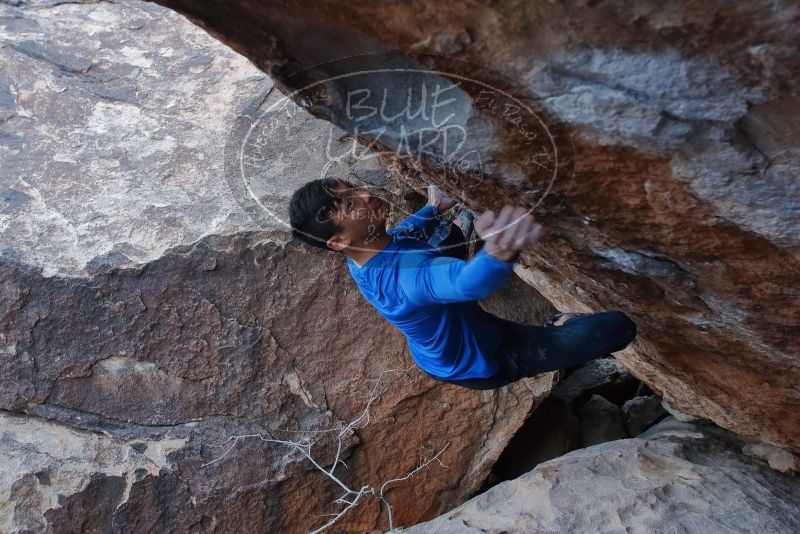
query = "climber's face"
x=360 y=214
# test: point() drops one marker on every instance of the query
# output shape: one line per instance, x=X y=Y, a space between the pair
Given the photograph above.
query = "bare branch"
x=350 y=498
x=417 y=469
x=408 y=475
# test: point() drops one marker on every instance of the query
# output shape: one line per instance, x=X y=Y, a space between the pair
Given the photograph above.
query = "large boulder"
x=676 y=477
x=658 y=141
x=156 y=323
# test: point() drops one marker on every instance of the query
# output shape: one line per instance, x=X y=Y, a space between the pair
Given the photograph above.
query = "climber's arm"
x=423 y=220
x=442 y=279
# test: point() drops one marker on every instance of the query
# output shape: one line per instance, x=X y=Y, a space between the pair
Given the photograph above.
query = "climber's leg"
x=528 y=350
x=547 y=348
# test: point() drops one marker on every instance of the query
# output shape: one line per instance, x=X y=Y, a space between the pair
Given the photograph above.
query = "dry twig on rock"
x=350 y=498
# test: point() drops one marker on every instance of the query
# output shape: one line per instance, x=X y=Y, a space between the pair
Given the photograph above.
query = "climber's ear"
x=338 y=242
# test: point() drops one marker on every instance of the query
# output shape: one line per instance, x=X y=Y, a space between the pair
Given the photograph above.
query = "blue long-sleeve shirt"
x=431 y=299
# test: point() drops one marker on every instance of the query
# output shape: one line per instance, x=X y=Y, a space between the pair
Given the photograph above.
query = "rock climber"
x=416 y=278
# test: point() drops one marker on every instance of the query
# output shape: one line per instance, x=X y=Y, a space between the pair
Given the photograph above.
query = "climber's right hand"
x=512 y=230
x=439 y=199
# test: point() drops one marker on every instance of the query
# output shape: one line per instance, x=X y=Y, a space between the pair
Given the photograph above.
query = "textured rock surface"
x=676 y=477
x=676 y=200
x=601 y=421
x=680 y=416
x=641 y=412
x=149 y=312
x=604 y=376
x=778 y=459
x=46 y=465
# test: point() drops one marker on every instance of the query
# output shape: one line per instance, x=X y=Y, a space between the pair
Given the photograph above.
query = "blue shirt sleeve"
x=422 y=221
x=443 y=279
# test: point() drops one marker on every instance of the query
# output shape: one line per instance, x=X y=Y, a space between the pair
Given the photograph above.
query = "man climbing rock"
x=431 y=296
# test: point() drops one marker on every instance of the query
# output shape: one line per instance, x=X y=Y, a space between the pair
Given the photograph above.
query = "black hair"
x=310 y=211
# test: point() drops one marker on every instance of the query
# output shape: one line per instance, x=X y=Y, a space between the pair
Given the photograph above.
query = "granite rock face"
x=676 y=477
x=658 y=142
x=153 y=306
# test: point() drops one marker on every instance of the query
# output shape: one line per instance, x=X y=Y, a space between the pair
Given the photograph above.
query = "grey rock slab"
x=113 y=139
x=677 y=477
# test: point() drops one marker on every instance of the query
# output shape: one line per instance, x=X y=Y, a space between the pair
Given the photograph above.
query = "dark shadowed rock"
x=605 y=376
x=551 y=431
x=601 y=421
